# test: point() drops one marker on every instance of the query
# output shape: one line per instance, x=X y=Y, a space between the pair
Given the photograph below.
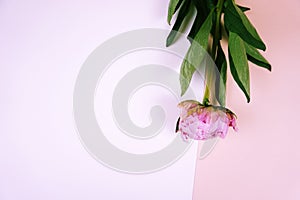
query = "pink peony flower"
x=201 y=122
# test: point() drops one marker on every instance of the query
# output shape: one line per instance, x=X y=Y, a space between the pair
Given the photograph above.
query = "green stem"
x=206 y=96
x=216 y=39
x=217 y=35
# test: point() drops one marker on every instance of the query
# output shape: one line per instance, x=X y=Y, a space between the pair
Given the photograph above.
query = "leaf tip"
x=182 y=92
x=262 y=46
x=168 y=43
x=169 y=21
x=248 y=98
x=170 y=38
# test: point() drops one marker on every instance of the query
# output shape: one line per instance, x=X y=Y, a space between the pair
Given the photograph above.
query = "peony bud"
x=201 y=122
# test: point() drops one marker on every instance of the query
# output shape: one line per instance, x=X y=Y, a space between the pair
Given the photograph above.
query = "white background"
x=42 y=47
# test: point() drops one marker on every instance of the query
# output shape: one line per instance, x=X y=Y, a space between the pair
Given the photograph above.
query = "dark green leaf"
x=244 y=9
x=203 y=9
x=173 y=6
x=222 y=77
x=238 y=63
x=202 y=6
x=199 y=20
x=195 y=54
x=255 y=57
x=236 y=21
x=183 y=12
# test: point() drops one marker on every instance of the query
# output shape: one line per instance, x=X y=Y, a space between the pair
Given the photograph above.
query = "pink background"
x=262 y=160
x=44 y=43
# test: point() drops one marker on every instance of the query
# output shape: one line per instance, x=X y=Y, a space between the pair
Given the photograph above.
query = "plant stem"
x=205 y=100
x=213 y=53
x=217 y=36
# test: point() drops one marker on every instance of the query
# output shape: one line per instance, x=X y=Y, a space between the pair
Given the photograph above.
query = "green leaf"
x=199 y=20
x=255 y=57
x=195 y=54
x=183 y=12
x=203 y=9
x=221 y=78
x=237 y=22
x=244 y=9
x=238 y=63
x=173 y=6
